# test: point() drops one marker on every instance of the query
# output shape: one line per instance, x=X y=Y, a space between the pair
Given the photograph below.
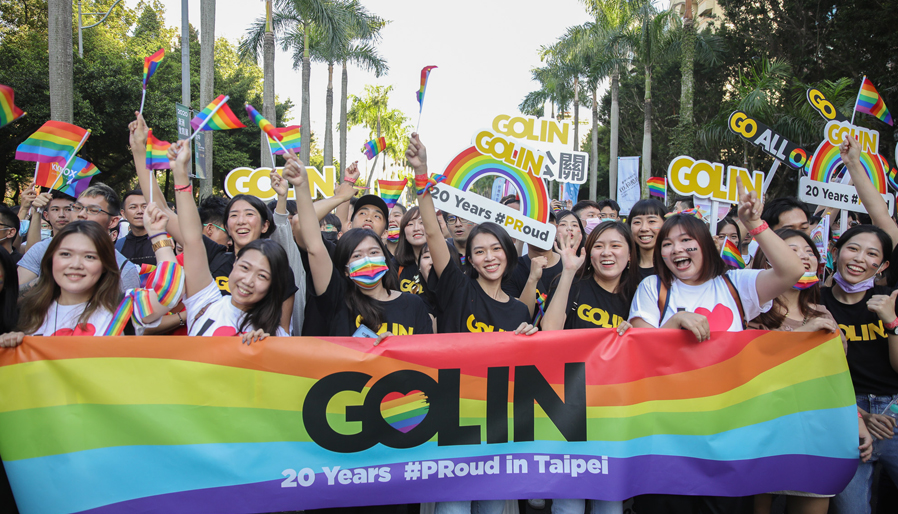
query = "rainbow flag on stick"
x=157 y=153
x=8 y=110
x=731 y=255
x=266 y=126
x=291 y=139
x=75 y=179
x=55 y=141
x=149 y=68
x=869 y=101
x=216 y=116
x=391 y=190
x=657 y=186
x=425 y=76
x=374 y=147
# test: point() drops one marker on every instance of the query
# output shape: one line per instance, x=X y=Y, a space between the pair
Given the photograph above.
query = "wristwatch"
x=165 y=242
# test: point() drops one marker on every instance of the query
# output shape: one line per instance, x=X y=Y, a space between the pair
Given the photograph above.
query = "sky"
x=484 y=50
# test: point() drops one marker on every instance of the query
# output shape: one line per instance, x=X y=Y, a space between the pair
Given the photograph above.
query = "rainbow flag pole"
x=857 y=99
x=209 y=117
x=71 y=158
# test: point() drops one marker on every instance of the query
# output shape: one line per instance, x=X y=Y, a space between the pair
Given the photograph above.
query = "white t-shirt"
x=62 y=320
x=711 y=299
x=221 y=318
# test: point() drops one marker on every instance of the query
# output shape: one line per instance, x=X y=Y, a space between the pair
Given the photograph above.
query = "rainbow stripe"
x=222 y=119
x=657 y=186
x=55 y=141
x=367 y=271
x=807 y=280
x=168 y=282
x=731 y=255
x=291 y=138
x=144 y=273
x=404 y=412
x=206 y=424
x=393 y=234
x=826 y=161
x=425 y=76
x=138 y=299
x=74 y=181
x=869 y=101
x=892 y=176
x=374 y=147
x=8 y=110
x=263 y=124
x=157 y=153
x=470 y=165
x=150 y=64
x=391 y=190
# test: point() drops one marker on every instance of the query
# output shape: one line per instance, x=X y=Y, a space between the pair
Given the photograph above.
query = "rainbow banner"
x=374 y=147
x=291 y=140
x=157 y=153
x=657 y=186
x=181 y=424
x=55 y=141
x=391 y=190
x=869 y=101
x=8 y=110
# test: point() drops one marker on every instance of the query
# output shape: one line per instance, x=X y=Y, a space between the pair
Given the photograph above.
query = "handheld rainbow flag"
x=425 y=76
x=55 y=141
x=731 y=255
x=291 y=139
x=135 y=299
x=391 y=190
x=149 y=68
x=74 y=180
x=8 y=110
x=869 y=101
x=657 y=186
x=157 y=153
x=266 y=126
x=374 y=147
x=216 y=116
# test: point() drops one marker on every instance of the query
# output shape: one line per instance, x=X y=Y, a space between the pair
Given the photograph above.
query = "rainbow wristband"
x=424 y=184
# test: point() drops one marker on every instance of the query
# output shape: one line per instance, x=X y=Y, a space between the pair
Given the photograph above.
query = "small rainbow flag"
x=216 y=116
x=8 y=110
x=134 y=299
x=150 y=64
x=374 y=147
x=731 y=255
x=55 y=141
x=75 y=179
x=391 y=190
x=869 y=101
x=157 y=153
x=425 y=75
x=263 y=124
x=657 y=186
x=291 y=139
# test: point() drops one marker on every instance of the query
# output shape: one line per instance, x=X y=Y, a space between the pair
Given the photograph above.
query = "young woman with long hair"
x=253 y=309
x=357 y=289
x=645 y=220
x=408 y=251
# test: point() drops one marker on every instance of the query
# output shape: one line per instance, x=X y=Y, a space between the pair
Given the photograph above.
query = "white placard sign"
x=628 y=190
x=479 y=209
x=835 y=195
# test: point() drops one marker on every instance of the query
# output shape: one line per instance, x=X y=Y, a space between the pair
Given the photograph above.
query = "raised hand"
x=27 y=196
x=179 y=156
x=155 y=219
x=138 y=133
x=537 y=265
x=883 y=306
x=571 y=256
x=750 y=206
x=352 y=173
x=850 y=150
x=279 y=184
x=295 y=172
x=41 y=201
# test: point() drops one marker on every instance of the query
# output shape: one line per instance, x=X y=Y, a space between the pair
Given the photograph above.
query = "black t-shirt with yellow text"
x=589 y=305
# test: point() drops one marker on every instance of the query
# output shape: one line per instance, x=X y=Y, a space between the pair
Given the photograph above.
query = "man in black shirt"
x=136 y=246
x=9 y=229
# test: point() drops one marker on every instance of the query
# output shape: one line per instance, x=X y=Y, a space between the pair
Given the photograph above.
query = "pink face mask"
x=592 y=223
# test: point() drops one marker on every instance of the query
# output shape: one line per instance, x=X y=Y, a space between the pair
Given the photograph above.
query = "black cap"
x=372 y=200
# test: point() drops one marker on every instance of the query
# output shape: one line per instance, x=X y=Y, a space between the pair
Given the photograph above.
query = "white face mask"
x=46 y=233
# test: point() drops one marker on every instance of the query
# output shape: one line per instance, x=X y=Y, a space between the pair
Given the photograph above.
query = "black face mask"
x=330 y=236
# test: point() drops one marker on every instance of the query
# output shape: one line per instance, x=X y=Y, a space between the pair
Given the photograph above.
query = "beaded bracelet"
x=166 y=234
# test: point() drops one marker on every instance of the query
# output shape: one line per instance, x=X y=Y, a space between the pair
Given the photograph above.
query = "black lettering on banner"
x=568 y=415
x=497 y=405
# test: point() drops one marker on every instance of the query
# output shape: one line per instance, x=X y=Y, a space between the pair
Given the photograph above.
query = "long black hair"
x=259 y=206
x=405 y=252
x=358 y=302
x=505 y=241
x=9 y=310
x=266 y=314
x=630 y=278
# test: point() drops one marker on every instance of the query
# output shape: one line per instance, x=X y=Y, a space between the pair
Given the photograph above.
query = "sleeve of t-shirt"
x=213 y=249
x=746 y=283
x=645 y=302
x=31 y=261
x=449 y=287
x=514 y=286
x=130 y=276
x=329 y=300
x=198 y=301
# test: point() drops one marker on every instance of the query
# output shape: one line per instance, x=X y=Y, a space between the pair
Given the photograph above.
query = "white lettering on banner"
x=688 y=177
x=257 y=182
x=520 y=156
x=835 y=195
x=68 y=172
x=478 y=209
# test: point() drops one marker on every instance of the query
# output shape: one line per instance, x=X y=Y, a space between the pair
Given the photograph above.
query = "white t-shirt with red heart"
x=711 y=299
x=62 y=320
x=209 y=313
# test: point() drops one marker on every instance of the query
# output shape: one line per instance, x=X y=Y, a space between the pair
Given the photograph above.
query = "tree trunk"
x=268 y=107
x=305 y=118
x=576 y=114
x=59 y=27
x=615 y=132
x=684 y=139
x=328 y=118
x=207 y=84
x=343 y=97
x=647 y=130
x=594 y=148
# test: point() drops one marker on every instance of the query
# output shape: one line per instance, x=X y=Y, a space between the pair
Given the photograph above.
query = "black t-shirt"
x=646 y=272
x=410 y=280
x=868 y=343
x=514 y=286
x=138 y=249
x=891 y=272
x=589 y=305
x=463 y=306
x=406 y=315
x=15 y=256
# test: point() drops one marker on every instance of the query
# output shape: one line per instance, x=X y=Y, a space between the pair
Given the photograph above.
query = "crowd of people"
x=348 y=266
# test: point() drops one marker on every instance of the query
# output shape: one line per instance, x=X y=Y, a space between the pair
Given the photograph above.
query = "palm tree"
x=297 y=23
x=372 y=111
